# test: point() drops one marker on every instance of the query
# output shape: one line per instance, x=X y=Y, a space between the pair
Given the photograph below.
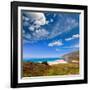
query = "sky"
x=49 y=34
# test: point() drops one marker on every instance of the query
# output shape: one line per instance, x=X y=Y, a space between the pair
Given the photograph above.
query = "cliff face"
x=72 y=56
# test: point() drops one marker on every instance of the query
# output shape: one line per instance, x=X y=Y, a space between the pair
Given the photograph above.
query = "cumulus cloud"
x=27 y=36
x=38 y=18
x=51 y=20
x=73 y=37
x=25 y=23
x=25 y=18
x=31 y=28
x=34 y=25
x=55 y=43
x=76 y=36
x=47 y=22
x=41 y=33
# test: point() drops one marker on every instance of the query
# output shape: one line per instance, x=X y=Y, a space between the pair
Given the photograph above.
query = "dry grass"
x=37 y=69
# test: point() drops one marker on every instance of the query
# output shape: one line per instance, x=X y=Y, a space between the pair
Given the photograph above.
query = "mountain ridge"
x=71 y=56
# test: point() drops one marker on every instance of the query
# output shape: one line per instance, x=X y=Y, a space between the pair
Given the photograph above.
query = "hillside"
x=38 y=69
x=71 y=56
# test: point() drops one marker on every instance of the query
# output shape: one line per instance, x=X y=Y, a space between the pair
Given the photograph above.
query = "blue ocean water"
x=36 y=60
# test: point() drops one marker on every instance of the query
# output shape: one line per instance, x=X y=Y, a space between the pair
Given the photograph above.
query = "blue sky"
x=49 y=34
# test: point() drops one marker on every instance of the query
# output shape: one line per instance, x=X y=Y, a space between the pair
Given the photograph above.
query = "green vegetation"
x=34 y=69
x=64 y=69
x=37 y=69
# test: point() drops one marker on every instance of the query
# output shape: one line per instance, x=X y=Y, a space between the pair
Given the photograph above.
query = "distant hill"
x=71 y=56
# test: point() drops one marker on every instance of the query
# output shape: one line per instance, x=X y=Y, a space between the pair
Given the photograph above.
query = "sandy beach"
x=57 y=62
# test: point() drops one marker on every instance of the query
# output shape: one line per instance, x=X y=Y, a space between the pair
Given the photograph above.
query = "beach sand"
x=57 y=62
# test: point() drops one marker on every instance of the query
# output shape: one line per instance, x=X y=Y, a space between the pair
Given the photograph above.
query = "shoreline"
x=53 y=62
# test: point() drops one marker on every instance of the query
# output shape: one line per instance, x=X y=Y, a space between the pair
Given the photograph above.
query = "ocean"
x=38 y=60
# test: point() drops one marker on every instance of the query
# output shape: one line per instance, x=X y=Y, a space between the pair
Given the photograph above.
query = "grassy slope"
x=64 y=69
x=32 y=69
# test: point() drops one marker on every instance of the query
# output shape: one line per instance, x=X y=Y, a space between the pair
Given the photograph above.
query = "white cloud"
x=23 y=31
x=54 y=15
x=38 y=18
x=68 y=39
x=38 y=34
x=42 y=32
x=25 y=18
x=76 y=36
x=31 y=28
x=25 y=23
x=51 y=20
x=55 y=43
x=28 y=36
x=36 y=21
x=73 y=37
x=47 y=22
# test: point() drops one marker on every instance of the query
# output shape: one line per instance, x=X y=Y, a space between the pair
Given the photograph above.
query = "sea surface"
x=38 y=60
